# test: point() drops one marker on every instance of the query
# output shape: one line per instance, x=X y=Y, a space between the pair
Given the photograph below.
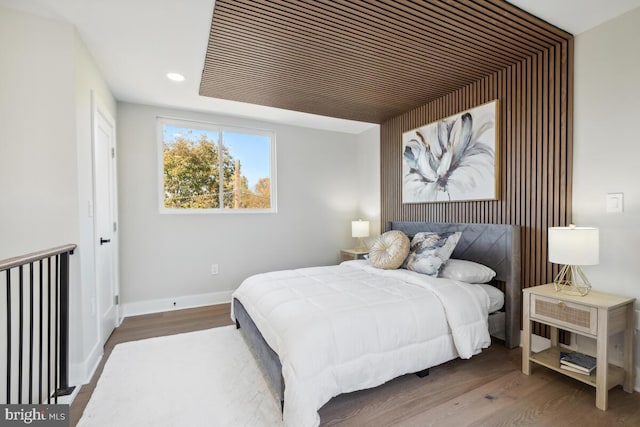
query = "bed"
x=325 y=359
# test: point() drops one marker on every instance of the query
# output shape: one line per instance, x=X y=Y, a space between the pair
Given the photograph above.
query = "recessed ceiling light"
x=175 y=77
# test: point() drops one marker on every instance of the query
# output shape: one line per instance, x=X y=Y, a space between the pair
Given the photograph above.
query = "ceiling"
x=576 y=16
x=135 y=43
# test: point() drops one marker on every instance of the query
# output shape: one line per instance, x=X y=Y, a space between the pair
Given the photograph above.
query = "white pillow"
x=389 y=250
x=467 y=271
x=496 y=297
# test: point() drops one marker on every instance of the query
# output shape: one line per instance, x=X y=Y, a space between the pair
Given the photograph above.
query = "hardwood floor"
x=487 y=390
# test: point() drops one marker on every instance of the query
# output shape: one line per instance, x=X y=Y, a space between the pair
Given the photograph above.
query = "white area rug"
x=206 y=378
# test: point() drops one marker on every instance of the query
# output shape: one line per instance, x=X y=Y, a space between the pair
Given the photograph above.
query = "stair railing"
x=34 y=327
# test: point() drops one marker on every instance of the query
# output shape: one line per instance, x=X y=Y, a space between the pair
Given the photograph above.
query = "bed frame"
x=494 y=245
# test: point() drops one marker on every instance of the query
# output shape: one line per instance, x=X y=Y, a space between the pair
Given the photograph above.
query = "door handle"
x=103 y=241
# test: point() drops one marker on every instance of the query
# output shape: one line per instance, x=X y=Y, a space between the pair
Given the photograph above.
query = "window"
x=210 y=168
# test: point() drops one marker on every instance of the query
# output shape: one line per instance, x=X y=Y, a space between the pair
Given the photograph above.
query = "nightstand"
x=351 y=254
x=596 y=315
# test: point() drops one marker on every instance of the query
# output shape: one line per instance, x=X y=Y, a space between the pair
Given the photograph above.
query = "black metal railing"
x=34 y=326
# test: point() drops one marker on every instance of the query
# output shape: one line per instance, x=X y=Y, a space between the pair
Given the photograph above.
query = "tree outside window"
x=208 y=168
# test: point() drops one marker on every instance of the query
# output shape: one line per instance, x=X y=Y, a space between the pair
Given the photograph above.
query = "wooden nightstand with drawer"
x=596 y=315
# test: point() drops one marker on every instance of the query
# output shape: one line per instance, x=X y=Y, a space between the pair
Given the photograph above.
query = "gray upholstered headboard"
x=494 y=245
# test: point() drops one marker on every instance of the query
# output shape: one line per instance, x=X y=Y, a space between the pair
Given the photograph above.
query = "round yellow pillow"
x=389 y=250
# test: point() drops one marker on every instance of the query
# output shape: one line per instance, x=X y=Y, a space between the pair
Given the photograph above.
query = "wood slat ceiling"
x=362 y=60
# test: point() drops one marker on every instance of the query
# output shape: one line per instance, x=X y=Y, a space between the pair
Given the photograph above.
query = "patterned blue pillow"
x=430 y=251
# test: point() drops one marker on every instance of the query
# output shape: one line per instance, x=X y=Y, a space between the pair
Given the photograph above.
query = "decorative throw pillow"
x=389 y=250
x=467 y=271
x=429 y=252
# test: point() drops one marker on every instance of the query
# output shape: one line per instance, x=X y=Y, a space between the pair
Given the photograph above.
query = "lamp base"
x=361 y=246
x=572 y=280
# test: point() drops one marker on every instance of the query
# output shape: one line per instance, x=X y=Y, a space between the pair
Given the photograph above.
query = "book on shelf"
x=572 y=369
x=578 y=362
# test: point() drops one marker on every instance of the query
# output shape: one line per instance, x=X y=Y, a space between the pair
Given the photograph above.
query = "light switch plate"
x=615 y=202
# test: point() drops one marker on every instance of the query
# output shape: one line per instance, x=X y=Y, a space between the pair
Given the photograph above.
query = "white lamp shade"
x=574 y=245
x=359 y=228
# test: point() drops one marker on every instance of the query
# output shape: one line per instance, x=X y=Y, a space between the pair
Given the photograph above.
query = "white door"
x=104 y=220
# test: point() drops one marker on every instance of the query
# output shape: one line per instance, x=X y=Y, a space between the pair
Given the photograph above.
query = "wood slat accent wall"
x=536 y=136
x=363 y=60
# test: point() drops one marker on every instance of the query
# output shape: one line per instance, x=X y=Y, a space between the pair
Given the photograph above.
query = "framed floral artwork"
x=453 y=159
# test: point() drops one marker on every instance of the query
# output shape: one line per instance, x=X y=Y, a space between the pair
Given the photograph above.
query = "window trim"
x=161 y=121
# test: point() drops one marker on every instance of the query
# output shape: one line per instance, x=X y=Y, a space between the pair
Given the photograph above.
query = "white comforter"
x=350 y=327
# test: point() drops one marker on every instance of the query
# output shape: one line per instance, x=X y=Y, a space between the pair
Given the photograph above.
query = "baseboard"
x=177 y=303
x=81 y=373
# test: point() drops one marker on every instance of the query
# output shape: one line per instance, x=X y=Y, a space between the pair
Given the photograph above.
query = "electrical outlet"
x=615 y=202
x=214 y=269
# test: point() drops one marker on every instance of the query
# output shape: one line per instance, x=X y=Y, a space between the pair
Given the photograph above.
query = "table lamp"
x=573 y=246
x=360 y=229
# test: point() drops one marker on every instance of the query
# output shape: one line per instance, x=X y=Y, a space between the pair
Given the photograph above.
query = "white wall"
x=90 y=87
x=46 y=80
x=369 y=180
x=37 y=149
x=606 y=150
x=167 y=257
